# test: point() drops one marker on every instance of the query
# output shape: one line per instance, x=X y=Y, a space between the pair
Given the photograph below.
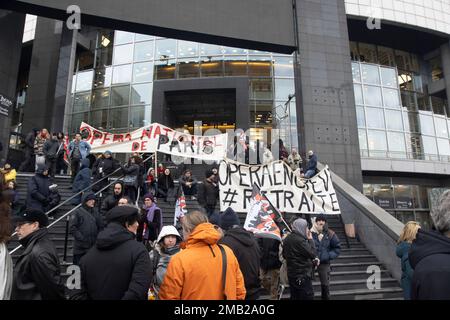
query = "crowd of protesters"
x=125 y=251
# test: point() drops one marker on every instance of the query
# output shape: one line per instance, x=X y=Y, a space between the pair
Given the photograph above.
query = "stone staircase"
x=348 y=274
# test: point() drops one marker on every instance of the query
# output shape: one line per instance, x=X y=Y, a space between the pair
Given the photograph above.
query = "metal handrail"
x=79 y=205
x=77 y=194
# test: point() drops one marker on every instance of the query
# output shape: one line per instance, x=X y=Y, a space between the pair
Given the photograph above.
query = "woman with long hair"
x=407 y=236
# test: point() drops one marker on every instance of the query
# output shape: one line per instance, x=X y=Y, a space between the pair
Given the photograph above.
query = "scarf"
x=150 y=216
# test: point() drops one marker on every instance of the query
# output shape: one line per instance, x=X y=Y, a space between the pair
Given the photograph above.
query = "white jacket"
x=6 y=273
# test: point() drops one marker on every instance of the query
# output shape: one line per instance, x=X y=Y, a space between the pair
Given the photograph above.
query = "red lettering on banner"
x=118 y=138
x=97 y=135
x=157 y=132
x=128 y=136
x=106 y=138
x=146 y=133
x=135 y=146
x=144 y=145
x=215 y=142
x=88 y=129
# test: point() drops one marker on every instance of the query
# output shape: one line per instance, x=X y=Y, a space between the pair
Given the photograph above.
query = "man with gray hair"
x=429 y=256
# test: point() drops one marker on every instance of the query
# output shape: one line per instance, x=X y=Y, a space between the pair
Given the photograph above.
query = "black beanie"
x=228 y=219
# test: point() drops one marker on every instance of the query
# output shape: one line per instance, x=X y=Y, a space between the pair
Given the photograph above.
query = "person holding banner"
x=301 y=258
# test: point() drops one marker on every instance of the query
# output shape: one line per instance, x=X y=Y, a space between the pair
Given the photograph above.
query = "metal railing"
x=383 y=154
x=67 y=214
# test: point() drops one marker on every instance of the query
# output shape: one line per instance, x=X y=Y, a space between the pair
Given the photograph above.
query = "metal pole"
x=66 y=239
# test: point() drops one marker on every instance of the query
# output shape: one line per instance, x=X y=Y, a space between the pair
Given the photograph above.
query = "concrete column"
x=326 y=110
x=11 y=24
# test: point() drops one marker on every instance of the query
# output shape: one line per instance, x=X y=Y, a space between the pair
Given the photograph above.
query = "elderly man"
x=429 y=256
x=312 y=165
x=294 y=160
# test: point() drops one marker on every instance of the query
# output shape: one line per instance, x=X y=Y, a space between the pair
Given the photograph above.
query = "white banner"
x=156 y=137
x=286 y=191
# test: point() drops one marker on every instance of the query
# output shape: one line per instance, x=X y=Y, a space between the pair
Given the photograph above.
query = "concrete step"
x=354 y=284
x=353 y=266
x=352 y=258
x=353 y=275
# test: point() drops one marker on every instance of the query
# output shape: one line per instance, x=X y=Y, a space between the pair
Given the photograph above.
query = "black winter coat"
x=133 y=170
x=299 y=253
x=103 y=167
x=52 y=149
x=165 y=182
x=37 y=271
x=83 y=177
x=85 y=224
x=116 y=268
x=429 y=256
x=29 y=143
x=246 y=250
x=269 y=249
x=38 y=194
x=109 y=202
x=208 y=194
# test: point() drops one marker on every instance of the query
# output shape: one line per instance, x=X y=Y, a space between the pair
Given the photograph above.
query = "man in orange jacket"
x=196 y=272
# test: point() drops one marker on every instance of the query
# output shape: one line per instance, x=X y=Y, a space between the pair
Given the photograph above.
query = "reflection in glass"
x=229 y=50
x=396 y=141
x=426 y=125
x=121 y=37
x=405 y=80
x=375 y=118
x=388 y=77
x=100 y=98
x=103 y=57
x=283 y=66
x=441 y=127
x=414 y=145
x=102 y=77
x=362 y=139
x=367 y=53
x=143 y=37
x=84 y=80
x=372 y=96
x=356 y=72
x=141 y=93
x=187 y=49
x=377 y=141
x=165 y=49
x=123 y=54
x=386 y=56
x=444 y=147
x=99 y=119
x=137 y=116
x=118 y=117
x=360 y=117
x=370 y=74
x=81 y=102
x=391 y=98
x=394 y=120
x=284 y=88
x=357 y=89
x=429 y=145
x=77 y=118
x=122 y=74
x=143 y=51
x=408 y=100
x=120 y=96
x=143 y=72
x=210 y=49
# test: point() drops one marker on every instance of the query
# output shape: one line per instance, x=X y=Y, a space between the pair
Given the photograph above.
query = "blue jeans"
x=310 y=173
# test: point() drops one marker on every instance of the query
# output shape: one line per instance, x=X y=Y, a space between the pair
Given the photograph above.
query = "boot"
x=325 y=292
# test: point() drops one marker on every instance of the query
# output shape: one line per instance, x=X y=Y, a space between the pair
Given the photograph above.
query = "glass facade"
x=117 y=93
x=396 y=117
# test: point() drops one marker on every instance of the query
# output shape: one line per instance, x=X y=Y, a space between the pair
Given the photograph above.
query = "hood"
x=241 y=235
x=112 y=236
x=205 y=234
x=85 y=163
x=428 y=243
x=300 y=226
x=41 y=167
x=167 y=231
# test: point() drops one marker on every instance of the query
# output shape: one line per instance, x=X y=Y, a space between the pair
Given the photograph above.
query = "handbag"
x=224 y=270
x=129 y=181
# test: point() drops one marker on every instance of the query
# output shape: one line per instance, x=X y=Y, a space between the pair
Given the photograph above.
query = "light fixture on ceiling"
x=105 y=41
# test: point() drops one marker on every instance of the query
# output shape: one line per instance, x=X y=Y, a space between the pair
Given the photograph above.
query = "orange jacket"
x=196 y=272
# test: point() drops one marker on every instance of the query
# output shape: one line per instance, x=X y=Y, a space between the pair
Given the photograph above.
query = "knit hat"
x=108 y=152
x=89 y=196
x=228 y=219
x=149 y=196
x=208 y=173
x=321 y=217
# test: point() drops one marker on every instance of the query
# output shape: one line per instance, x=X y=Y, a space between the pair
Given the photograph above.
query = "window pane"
x=361 y=120
x=121 y=37
x=422 y=198
x=137 y=115
x=383 y=195
x=122 y=74
x=362 y=139
x=358 y=94
x=165 y=49
x=123 y=54
x=429 y=145
x=77 y=118
x=370 y=74
x=408 y=100
x=388 y=77
x=367 y=53
x=261 y=89
x=99 y=119
x=405 y=80
x=356 y=72
x=118 y=117
x=394 y=120
x=403 y=197
x=104 y=56
x=143 y=37
x=103 y=77
x=377 y=140
x=414 y=145
x=84 y=80
x=444 y=147
x=423 y=217
x=141 y=93
x=187 y=49
x=372 y=96
x=411 y=121
x=100 y=98
x=210 y=49
x=188 y=68
x=229 y=50
x=386 y=56
x=81 y=102
x=143 y=51
x=441 y=127
x=396 y=141
x=165 y=69
x=120 y=95
x=259 y=66
x=391 y=98
x=283 y=66
x=211 y=67
x=235 y=66
x=375 y=118
x=426 y=125
x=143 y=72
x=284 y=88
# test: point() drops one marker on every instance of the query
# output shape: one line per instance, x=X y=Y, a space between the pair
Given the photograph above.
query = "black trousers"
x=301 y=289
x=131 y=193
x=51 y=163
x=74 y=167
